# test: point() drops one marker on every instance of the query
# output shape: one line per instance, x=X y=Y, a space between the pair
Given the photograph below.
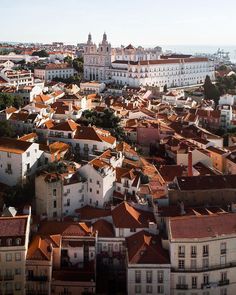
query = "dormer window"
x=9 y=242
x=18 y=241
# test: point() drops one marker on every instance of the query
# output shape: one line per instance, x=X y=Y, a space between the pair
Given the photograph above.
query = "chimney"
x=190 y=163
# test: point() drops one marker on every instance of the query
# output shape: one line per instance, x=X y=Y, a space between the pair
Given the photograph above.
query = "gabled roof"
x=95 y=134
x=125 y=216
x=13 y=226
x=14 y=146
x=145 y=248
x=69 y=125
x=104 y=228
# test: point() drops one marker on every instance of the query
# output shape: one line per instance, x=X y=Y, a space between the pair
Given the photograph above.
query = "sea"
x=204 y=49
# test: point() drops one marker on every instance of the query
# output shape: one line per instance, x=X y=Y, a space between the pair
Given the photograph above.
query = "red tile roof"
x=145 y=248
x=202 y=226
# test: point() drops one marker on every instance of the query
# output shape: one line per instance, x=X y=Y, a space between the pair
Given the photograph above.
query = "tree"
x=6 y=130
x=7 y=100
x=40 y=53
x=78 y=64
x=211 y=91
x=68 y=60
x=165 y=88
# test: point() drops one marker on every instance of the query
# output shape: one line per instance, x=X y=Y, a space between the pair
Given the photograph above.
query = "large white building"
x=135 y=67
x=202 y=253
x=18 y=160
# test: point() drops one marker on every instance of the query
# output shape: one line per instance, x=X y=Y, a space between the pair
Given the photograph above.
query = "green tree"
x=6 y=130
x=165 y=88
x=7 y=100
x=78 y=64
x=40 y=53
x=211 y=91
x=68 y=59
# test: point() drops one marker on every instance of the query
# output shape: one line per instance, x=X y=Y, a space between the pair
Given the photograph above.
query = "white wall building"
x=18 y=160
x=203 y=254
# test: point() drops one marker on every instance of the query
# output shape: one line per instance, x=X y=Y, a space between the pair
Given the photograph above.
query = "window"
x=223 y=248
x=17 y=256
x=205 y=263
x=194 y=282
x=17 y=271
x=149 y=289
x=90 y=190
x=138 y=276
x=149 y=277
x=138 y=289
x=181 y=251
x=75 y=255
x=223 y=276
x=181 y=264
x=223 y=291
x=193 y=263
x=205 y=279
x=8 y=257
x=160 y=276
x=8 y=155
x=18 y=286
x=205 y=250
x=28 y=154
x=68 y=202
x=18 y=241
x=54 y=204
x=98 y=182
x=97 y=192
x=54 y=192
x=90 y=180
x=160 y=289
x=193 y=251
x=9 y=242
x=133 y=230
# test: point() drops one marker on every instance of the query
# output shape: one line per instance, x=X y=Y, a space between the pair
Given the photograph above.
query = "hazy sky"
x=144 y=22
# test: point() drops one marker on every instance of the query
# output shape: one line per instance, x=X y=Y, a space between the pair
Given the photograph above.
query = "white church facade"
x=143 y=67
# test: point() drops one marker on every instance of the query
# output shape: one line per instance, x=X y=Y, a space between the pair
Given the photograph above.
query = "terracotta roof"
x=207 y=182
x=13 y=226
x=88 y=212
x=104 y=228
x=125 y=216
x=10 y=110
x=69 y=125
x=13 y=145
x=27 y=137
x=146 y=248
x=169 y=172
x=93 y=133
x=202 y=226
x=65 y=228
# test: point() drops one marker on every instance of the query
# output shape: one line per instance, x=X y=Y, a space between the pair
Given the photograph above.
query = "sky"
x=140 y=22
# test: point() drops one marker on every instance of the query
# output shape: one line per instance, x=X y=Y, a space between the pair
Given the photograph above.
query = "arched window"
x=18 y=241
x=9 y=242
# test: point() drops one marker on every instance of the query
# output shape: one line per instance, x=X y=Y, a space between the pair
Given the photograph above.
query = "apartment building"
x=14 y=238
x=148 y=265
x=202 y=254
x=18 y=160
x=51 y=71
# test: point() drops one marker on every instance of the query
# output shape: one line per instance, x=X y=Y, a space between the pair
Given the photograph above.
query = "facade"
x=19 y=160
x=202 y=254
x=17 y=78
x=97 y=60
x=136 y=67
x=14 y=235
x=51 y=71
x=148 y=265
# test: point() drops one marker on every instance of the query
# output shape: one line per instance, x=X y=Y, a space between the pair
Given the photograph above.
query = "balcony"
x=182 y=287
x=223 y=251
x=35 y=292
x=8 y=278
x=8 y=171
x=223 y=282
x=206 y=285
x=37 y=278
x=202 y=269
x=193 y=255
x=181 y=255
x=205 y=254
